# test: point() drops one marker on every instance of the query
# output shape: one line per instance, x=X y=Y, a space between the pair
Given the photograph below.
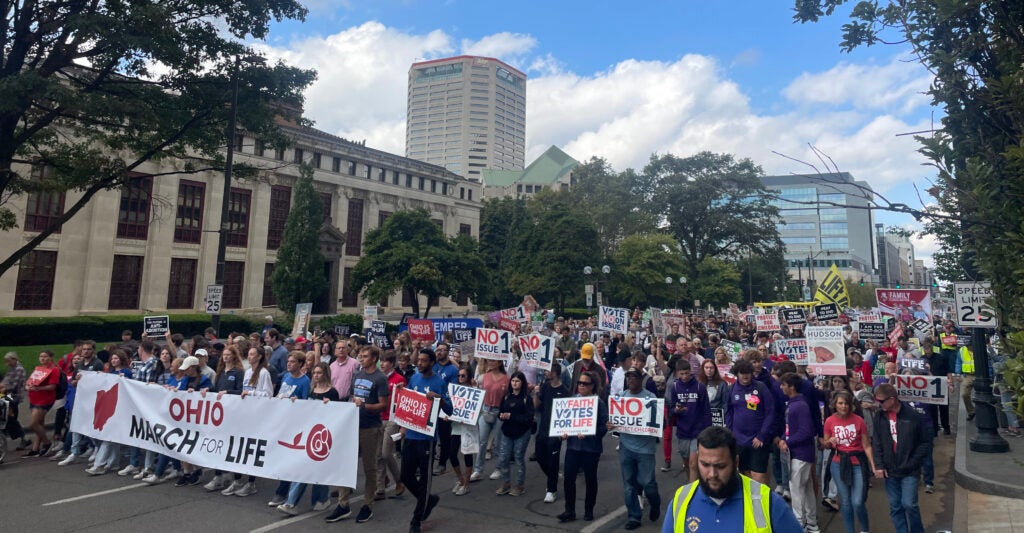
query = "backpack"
x=62 y=385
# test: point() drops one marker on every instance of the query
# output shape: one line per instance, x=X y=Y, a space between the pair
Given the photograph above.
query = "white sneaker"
x=92 y=454
x=549 y=497
x=128 y=471
x=276 y=501
x=475 y=476
x=463 y=490
x=58 y=456
x=456 y=487
x=234 y=487
x=96 y=470
x=170 y=474
x=247 y=490
x=217 y=483
x=143 y=474
x=496 y=474
x=71 y=458
x=321 y=506
x=287 y=509
x=152 y=479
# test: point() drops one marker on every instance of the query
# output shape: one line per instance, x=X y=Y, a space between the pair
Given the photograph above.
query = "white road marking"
x=301 y=517
x=600 y=522
x=95 y=494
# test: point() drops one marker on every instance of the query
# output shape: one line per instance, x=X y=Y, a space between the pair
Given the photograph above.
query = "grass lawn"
x=29 y=355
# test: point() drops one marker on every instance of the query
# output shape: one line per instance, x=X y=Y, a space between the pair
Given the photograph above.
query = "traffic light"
x=861 y=282
x=897 y=284
x=935 y=284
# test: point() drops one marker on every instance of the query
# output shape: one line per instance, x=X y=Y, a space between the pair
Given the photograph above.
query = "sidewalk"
x=990 y=492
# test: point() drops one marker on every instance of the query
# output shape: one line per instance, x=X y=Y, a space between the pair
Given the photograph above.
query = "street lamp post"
x=590 y=274
x=225 y=206
x=682 y=281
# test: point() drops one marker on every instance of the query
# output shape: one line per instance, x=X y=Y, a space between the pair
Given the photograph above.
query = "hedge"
x=20 y=331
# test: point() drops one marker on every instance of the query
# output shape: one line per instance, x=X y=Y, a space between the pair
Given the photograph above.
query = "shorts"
x=754 y=459
x=686 y=446
x=45 y=408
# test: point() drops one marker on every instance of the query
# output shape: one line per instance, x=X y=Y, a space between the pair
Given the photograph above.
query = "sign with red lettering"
x=905 y=304
x=768 y=322
x=614 y=319
x=825 y=354
x=466 y=403
x=305 y=441
x=922 y=389
x=637 y=416
x=413 y=410
x=794 y=349
x=515 y=314
x=421 y=329
x=508 y=324
x=493 y=344
x=574 y=416
x=538 y=351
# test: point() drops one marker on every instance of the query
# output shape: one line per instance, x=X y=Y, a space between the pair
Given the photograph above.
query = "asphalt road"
x=38 y=495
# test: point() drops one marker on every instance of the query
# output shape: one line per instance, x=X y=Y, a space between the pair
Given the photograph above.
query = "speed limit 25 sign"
x=972 y=311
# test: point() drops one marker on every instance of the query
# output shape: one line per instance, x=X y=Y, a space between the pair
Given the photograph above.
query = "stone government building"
x=151 y=247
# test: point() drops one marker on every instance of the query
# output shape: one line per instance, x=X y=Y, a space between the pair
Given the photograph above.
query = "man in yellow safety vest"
x=723 y=499
x=965 y=368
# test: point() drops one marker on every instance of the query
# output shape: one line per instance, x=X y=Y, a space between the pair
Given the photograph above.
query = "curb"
x=972 y=482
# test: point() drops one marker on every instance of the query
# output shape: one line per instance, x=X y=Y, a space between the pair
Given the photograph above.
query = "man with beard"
x=723 y=499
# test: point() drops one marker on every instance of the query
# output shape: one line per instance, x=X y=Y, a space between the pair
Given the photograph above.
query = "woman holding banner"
x=464 y=439
x=584 y=452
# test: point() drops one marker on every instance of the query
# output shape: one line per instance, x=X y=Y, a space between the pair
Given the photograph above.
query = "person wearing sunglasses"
x=901 y=442
x=583 y=453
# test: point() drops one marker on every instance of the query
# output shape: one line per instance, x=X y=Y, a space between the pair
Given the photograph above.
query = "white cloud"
x=852 y=113
x=505 y=45
x=897 y=87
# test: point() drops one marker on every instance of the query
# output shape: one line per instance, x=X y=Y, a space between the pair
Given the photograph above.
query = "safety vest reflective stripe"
x=756 y=510
x=966 y=360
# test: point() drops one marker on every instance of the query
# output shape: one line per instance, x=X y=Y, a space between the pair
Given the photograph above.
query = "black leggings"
x=455 y=444
x=548 y=451
x=12 y=427
x=574 y=462
x=60 y=421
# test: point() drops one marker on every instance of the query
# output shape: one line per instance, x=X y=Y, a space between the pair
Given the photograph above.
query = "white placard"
x=493 y=344
x=538 y=350
x=466 y=403
x=574 y=416
x=922 y=389
x=614 y=319
x=794 y=349
x=768 y=322
x=306 y=441
x=825 y=354
x=637 y=416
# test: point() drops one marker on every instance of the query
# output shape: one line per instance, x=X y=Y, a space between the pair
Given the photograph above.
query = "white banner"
x=637 y=416
x=574 y=416
x=614 y=319
x=922 y=389
x=825 y=354
x=466 y=403
x=538 y=351
x=493 y=344
x=306 y=441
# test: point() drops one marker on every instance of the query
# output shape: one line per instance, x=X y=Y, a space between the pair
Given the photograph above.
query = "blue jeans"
x=319 y=493
x=929 y=468
x=514 y=449
x=638 y=475
x=486 y=429
x=1007 y=398
x=162 y=462
x=903 y=508
x=851 y=498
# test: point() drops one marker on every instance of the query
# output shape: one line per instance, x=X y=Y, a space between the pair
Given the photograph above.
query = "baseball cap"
x=300 y=340
x=201 y=352
x=587 y=351
x=191 y=361
x=289 y=340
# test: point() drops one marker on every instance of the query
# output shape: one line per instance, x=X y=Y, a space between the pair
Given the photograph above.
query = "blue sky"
x=624 y=82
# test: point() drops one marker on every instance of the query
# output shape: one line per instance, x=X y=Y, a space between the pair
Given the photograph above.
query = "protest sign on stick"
x=574 y=416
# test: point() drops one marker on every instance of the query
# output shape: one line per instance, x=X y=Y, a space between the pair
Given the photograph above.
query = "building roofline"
x=506 y=65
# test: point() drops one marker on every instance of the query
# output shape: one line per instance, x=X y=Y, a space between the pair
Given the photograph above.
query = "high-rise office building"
x=466 y=114
x=824 y=220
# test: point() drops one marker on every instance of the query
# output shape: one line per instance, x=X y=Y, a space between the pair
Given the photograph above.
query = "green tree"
x=861 y=297
x=299 y=272
x=975 y=50
x=716 y=283
x=614 y=202
x=713 y=205
x=410 y=253
x=500 y=219
x=641 y=265
x=549 y=250
x=129 y=82
x=767 y=277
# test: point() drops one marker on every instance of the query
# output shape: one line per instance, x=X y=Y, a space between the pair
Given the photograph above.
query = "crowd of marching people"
x=813 y=439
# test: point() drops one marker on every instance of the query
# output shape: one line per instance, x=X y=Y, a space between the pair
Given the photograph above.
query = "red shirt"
x=848 y=432
x=394 y=379
x=865 y=372
x=42 y=376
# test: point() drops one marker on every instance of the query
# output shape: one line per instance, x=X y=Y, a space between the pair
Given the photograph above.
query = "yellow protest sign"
x=832 y=289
